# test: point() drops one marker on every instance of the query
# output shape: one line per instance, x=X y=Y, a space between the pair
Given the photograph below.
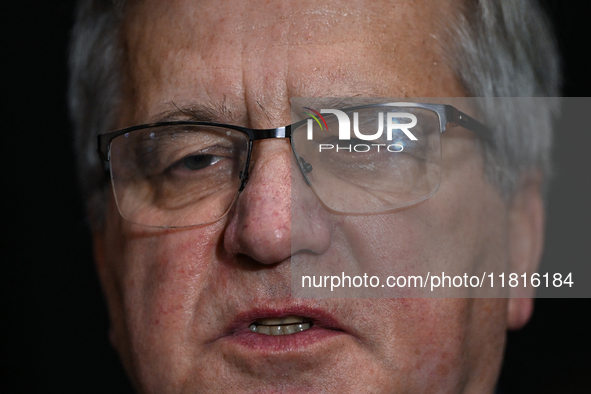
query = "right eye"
x=197 y=162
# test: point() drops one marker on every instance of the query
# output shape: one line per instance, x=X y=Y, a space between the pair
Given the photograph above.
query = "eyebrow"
x=195 y=111
x=222 y=114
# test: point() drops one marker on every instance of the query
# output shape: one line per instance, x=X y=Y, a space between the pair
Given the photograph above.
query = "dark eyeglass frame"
x=446 y=113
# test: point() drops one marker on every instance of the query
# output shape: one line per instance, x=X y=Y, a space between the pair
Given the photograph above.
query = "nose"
x=260 y=225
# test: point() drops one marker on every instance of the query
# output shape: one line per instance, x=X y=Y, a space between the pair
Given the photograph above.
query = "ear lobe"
x=526 y=242
x=519 y=312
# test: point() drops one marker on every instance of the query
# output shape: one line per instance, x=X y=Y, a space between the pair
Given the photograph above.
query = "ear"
x=526 y=242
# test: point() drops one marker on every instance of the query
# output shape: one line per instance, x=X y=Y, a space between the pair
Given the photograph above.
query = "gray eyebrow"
x=194 y=112
x=198 y=112
x=222 y=114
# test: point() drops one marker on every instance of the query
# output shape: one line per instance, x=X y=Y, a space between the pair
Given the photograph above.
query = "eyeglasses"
x=189 y=173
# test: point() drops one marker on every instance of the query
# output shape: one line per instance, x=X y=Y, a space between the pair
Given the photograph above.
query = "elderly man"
x=196 y=298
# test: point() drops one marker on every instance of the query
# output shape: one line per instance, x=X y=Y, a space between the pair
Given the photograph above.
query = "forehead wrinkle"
x=309 y=26
x=265 y=65
x=338 y=77
x=224 y=68
x=316 y=14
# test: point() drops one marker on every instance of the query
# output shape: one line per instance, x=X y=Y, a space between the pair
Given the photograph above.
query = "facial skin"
x=181 y=300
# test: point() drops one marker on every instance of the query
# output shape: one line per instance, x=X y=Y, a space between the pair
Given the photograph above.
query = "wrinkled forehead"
x=286 y=22
x=242 y=51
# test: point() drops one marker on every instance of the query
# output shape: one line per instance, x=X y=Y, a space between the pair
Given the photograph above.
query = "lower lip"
x=283 y=343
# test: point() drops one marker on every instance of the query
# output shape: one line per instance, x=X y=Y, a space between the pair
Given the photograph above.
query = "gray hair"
x=94 y=92
x=502 y=48
x=505 y=48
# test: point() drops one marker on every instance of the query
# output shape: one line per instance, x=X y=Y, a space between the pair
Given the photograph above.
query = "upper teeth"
x=283 y=320
x=281 y=326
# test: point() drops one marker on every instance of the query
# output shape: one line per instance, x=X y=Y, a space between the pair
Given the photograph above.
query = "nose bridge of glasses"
x=262 y=134
x=279 y=132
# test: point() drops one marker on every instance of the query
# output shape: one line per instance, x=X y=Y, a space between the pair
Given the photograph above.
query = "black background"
x=54 y=319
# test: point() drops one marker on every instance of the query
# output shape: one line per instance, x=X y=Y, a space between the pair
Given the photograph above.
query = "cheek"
x=439 y=345
x=461 y=230
x=432 y=236
x=436 y=345
x=167 y=273
x=163 y=278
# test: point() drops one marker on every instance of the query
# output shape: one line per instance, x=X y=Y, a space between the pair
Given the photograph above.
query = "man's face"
x=181 y=301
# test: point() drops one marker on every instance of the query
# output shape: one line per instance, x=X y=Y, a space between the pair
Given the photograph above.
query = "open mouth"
x=281 y=326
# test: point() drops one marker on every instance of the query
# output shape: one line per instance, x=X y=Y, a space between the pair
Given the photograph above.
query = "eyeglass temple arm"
x=456 y=117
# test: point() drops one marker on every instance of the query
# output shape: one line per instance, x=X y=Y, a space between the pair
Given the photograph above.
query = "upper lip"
x=320 y=317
